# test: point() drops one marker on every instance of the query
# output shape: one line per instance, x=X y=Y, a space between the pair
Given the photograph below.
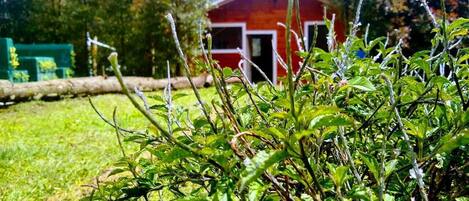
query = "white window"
x=321 y=39
x=227 y=37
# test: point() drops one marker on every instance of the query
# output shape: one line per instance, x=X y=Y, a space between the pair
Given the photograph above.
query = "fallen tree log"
x=90 y=86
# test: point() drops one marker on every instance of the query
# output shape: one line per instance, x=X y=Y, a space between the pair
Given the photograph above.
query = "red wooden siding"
x=264 y=15
x=227 y=60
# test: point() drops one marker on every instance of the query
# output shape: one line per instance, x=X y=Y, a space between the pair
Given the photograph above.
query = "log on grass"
x=88 y=86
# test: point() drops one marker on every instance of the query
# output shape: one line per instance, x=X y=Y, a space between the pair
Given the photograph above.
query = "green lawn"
x=49 y=149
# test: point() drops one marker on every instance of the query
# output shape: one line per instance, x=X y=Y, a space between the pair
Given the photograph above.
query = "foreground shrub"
x=382 y=127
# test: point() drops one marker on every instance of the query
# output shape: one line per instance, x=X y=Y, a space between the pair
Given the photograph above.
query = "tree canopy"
x=136 y=28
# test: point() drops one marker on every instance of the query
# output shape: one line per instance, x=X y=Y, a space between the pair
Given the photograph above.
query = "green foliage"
x=47 y=65
x=14 y=58
x=20 y=76
x=401 y=19
x=383 y=127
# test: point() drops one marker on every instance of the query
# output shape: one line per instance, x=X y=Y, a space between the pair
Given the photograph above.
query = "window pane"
x=226 y=37
x=321 y=41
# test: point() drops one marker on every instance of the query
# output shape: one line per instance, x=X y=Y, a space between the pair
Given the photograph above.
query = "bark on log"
x=89 y=86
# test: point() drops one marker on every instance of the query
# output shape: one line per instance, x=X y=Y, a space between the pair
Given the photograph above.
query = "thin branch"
x=310 y=170
x=243 y=73
x=110 y=123
x=305 y=62
x=429 y=12
x=375 y=58
x=114 y=63
x=243 y=56
x=331 y=35
x=291 y=89
x=356 y=23
x=187 y=70
x=415 y=166
x=279 y=58
x=389 y=56
x=297 y=38
x=169 y=99
x=142 y=97
x=299 y=24
x=347 y=152
x=131 y=168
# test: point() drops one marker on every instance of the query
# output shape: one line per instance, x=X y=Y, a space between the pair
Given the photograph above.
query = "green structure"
x=39 y=68
x=62 y=54
x=9 y=62
x=31 y=62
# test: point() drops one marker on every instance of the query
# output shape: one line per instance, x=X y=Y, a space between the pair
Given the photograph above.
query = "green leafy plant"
x=72 y=59
x=47 y=65
x=69 y=73
x=383 y=127
x=20 y=76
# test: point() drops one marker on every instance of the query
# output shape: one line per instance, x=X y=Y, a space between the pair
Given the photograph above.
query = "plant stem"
x=415 y=166
x=305 y=161
x=298 y=22
x=429 y=12
x=349 y=156
x=188 y=73
x=291 y=90
x=308 y=56
x=450 y=59
x=169 y=100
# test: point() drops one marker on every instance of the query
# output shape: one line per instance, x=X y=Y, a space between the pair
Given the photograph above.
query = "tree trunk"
x=89 y=86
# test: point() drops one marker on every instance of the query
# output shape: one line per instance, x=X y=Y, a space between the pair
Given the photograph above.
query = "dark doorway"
x=261 y=52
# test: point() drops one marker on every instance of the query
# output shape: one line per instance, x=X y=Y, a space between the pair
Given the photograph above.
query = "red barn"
x=252 y=26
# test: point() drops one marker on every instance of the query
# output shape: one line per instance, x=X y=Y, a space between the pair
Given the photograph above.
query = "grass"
x=48 y=150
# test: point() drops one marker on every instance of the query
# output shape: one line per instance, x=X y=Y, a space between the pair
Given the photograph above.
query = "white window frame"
x=274 y=48
x=242 y=25
x=306 y=30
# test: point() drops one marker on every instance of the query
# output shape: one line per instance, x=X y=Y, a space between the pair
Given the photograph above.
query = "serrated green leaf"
x=459 y=23
x=330 y=120
x=338 y=174
x=418 y=130
x=372 y=164
x=463 y=58
x=361 y=83
x=256 y=166
x=449 y=143
x=374 y=42
x=390 y=167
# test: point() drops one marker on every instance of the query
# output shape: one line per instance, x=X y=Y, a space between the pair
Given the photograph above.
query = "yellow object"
x=14 y=58
x=47 y=65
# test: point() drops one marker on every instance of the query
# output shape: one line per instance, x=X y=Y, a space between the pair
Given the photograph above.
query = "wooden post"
x=94 y=54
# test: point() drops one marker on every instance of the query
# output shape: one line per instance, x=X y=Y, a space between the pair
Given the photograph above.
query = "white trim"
x=242 y=25
x=274 y=48
x=244 y=41
x=219 y=3
x=306 y=30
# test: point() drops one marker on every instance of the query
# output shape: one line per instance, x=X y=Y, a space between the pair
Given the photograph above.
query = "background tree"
x=402 y=19
x=136 y=28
